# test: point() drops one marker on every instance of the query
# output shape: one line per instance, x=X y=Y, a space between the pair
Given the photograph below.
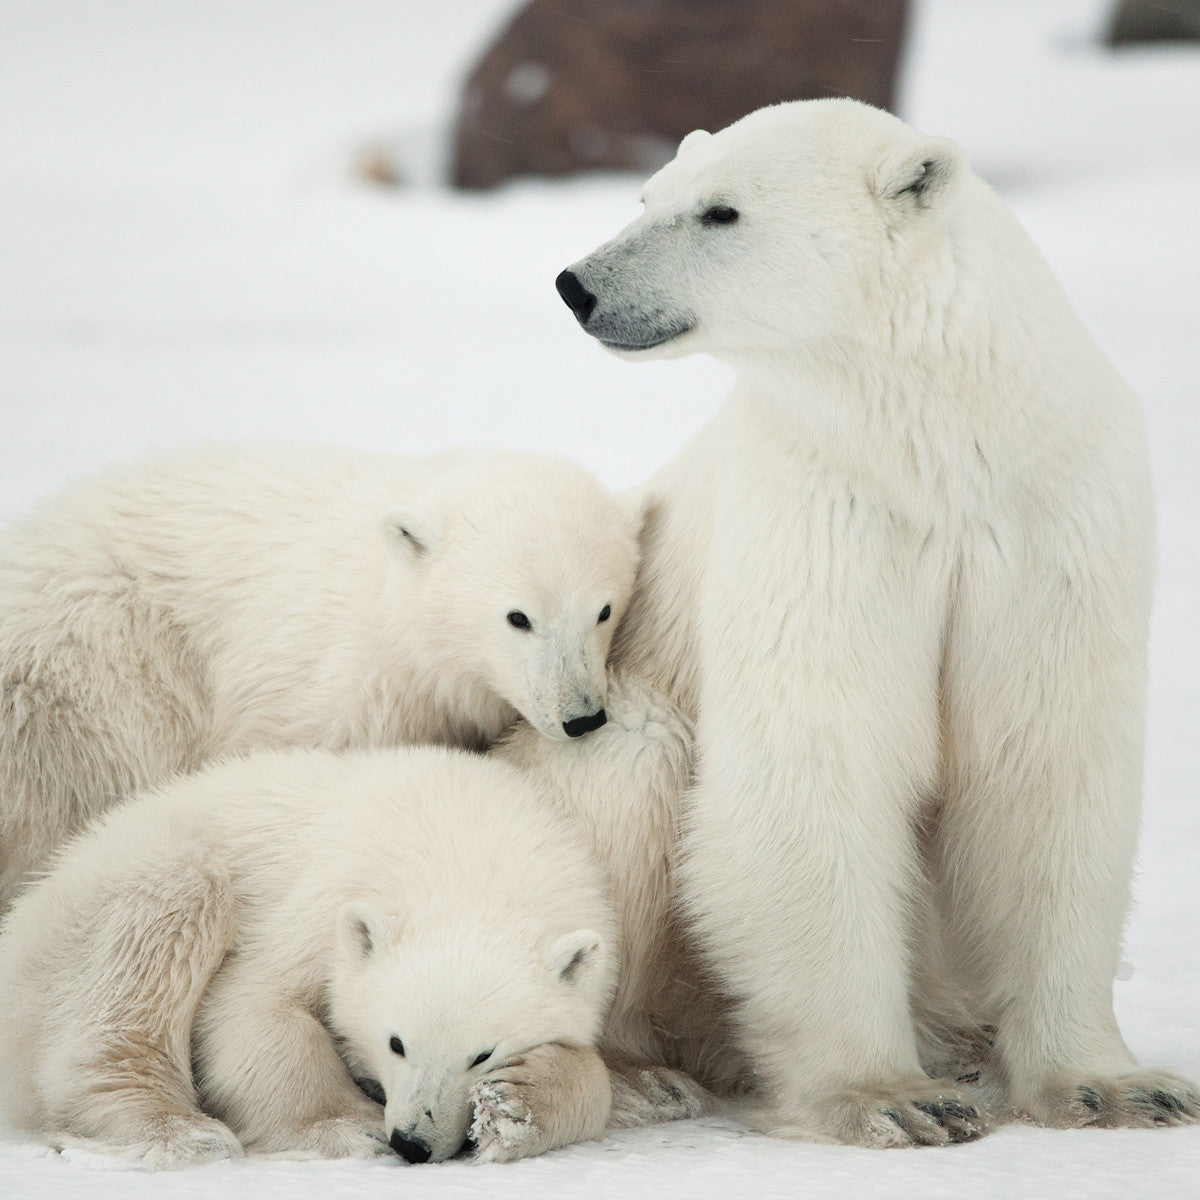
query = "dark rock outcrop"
x=580 y=85
x=1135 y=21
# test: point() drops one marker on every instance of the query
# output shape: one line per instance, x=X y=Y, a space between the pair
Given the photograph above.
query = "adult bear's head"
x=800 y=223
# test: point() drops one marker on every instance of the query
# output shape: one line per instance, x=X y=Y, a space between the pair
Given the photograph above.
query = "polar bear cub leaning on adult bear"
x=423 y=907
x=231 y=597
x=903 y=581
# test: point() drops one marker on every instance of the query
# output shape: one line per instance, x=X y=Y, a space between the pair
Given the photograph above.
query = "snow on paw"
x=503 y=1128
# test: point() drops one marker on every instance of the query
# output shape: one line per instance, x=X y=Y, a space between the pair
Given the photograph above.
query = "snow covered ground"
x=182 y=256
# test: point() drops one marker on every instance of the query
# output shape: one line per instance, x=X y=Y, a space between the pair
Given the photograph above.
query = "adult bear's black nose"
x=578 y=726
x=410 y=1149
x=579 y=300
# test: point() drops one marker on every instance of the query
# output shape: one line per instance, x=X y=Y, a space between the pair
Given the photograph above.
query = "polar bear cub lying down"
x=227 y=598
x=422 y=907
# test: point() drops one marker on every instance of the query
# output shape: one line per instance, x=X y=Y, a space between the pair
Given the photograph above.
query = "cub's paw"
x=538 y=1100
x=187 y=1141
x=1136 y=1098
x=337 y=1137
x=648 y=1095
x=923 y=1112
x=168 y=1142
x=503 y=1128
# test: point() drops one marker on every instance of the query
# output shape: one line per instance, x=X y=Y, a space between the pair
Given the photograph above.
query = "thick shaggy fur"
x=228 y=598
x=257 y=917
x=623 y=788
x=903 y=584
x=667 y=1040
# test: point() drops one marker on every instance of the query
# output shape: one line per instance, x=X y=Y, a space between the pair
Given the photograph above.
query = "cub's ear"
x=362 y=929
x=576 y=958
x=696 y=138
x=411 y=531
x=921 y=174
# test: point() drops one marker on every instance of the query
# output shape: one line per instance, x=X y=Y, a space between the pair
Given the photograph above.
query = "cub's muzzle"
x=578 y=726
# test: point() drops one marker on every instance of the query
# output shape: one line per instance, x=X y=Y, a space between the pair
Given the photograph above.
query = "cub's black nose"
x=578 y=726
x=412 y=1151
x=579 y=300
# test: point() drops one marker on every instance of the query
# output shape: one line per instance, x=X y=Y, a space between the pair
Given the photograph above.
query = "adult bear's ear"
x=411 y=531
x=576 y=958
x=919 y=175
x=696 y=138
x=362 y=929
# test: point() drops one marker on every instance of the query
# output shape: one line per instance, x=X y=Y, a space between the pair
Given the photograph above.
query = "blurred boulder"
x=584 y=85
x=1136 y=21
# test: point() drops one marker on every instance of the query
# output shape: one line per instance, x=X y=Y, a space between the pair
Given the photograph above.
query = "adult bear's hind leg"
x=1044 y=699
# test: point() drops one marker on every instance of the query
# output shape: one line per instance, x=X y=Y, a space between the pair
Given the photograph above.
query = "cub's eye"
x=396 y=1046
x=518 y=620
x=480 y=1059
x=605 y=613
x=719 y=214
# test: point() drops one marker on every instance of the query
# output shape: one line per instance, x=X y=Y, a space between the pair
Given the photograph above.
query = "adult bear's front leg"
x=819 y=737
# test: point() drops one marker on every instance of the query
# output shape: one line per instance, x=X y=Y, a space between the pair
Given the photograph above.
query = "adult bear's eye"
x=518 y=620
x=605 y=613
x=396 y=1046
x=719 y=214
x=480 y=1059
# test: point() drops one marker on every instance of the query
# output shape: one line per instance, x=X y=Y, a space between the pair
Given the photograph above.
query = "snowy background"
x=183 y=255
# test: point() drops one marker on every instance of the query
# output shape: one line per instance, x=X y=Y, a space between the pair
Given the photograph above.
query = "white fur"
x=623 y=787
x=903 y=583
x=252 y=917
x=667 y=1038
x=231 y=597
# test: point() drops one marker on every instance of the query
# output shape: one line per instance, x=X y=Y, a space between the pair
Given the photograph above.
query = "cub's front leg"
x=554 y=1095
x=545 y=1098
x=267 y=1067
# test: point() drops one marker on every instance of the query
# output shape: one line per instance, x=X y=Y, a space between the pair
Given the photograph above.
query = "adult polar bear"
x=903 y=582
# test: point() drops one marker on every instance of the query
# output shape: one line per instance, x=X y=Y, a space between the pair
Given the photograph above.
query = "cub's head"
x=796 y=223
x=427 y=1012
x=523 y=566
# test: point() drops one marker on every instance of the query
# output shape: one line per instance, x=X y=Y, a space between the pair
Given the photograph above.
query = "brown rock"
x=582 y=85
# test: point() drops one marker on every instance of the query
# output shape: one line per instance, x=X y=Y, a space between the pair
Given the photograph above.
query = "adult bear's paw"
x=1134 y=1098
x=917 y=1112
